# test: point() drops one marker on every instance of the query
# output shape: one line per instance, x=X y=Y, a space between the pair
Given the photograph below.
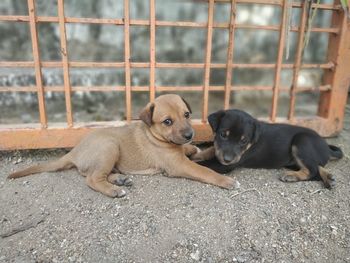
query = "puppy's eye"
x=168 y=122
x=224 y=134
x=187 y=115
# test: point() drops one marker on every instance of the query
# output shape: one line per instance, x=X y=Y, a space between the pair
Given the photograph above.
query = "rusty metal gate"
x=333 y=91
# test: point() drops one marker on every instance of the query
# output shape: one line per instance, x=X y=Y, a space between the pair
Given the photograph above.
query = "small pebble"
x=195 y=255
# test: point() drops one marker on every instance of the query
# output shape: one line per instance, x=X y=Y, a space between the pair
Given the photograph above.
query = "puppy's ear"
x=147 y=113
x=187 y=105
x=257 y=131
x=215 y=118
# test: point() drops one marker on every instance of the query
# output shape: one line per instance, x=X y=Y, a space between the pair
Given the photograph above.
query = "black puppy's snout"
x=228 y=157
x=188 y=135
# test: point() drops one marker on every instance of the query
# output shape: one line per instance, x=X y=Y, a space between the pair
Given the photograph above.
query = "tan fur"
x=212 y=151
x=327 y=178
x=293 y=176
x=304 y=174
x=139 y=148
x=204 y=155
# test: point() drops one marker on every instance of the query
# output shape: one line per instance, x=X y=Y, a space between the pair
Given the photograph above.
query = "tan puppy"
x=159 y=143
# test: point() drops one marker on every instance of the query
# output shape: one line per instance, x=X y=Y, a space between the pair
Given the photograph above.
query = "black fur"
x=270 y=144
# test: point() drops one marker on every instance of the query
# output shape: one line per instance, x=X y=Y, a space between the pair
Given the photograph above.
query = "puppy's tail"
x=60 y=164
x=335 y=152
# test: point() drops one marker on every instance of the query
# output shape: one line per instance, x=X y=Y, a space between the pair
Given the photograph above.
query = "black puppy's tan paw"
x=331 y=177
x=288 y=178
x=331 y=182
x=327 y=178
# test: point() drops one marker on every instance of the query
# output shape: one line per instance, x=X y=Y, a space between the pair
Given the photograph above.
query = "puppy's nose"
x=188 y=135
x=228 y=157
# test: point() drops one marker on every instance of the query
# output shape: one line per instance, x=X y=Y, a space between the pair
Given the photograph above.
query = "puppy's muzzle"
x=188 y=135
x=228 y=159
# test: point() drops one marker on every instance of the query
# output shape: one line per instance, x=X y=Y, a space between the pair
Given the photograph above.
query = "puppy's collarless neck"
x=156 y=140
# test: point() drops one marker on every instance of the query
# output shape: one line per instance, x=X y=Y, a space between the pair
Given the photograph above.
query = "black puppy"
x=242 y=141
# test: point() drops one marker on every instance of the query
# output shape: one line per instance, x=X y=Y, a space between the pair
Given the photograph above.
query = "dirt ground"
x=174 y=220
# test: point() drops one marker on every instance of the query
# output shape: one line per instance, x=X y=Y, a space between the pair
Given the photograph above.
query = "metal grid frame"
x=333 y=90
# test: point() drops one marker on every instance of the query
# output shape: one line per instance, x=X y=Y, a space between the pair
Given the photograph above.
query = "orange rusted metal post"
x=332 y=102
x=230 y=55
x=37 y=66
x=298 y=59
x=127 y=60
x=207 y=61
x=64 y=53
x=152 y=50
x=277 y=79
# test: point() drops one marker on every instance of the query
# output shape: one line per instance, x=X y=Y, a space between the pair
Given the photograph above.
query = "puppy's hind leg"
x=327 y=178
x=97 y=177
x=98 y=182
x=307 y=169
x=295 y=176
x=304 y=155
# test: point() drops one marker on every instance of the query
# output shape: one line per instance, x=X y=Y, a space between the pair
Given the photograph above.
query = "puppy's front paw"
x=287 y=178
x=330 y=182
x=203 y=155
x=116 y=191
x=191 y=150
x=229 y=183
x=196 y=158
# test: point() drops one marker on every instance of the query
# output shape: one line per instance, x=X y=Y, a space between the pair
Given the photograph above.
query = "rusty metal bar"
x=133 y=22
x=152 y=49
x=279 y=63
x=335 y=7
x=36 y=56
x=207 y=61
x=162 y=88
x=229 y=62
x=64 y=53
x=74 y=64
x=59 y=137
x=332 y=103
x=127 y=60
x=280 y=3
x=19 y=18
x=298 y=60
